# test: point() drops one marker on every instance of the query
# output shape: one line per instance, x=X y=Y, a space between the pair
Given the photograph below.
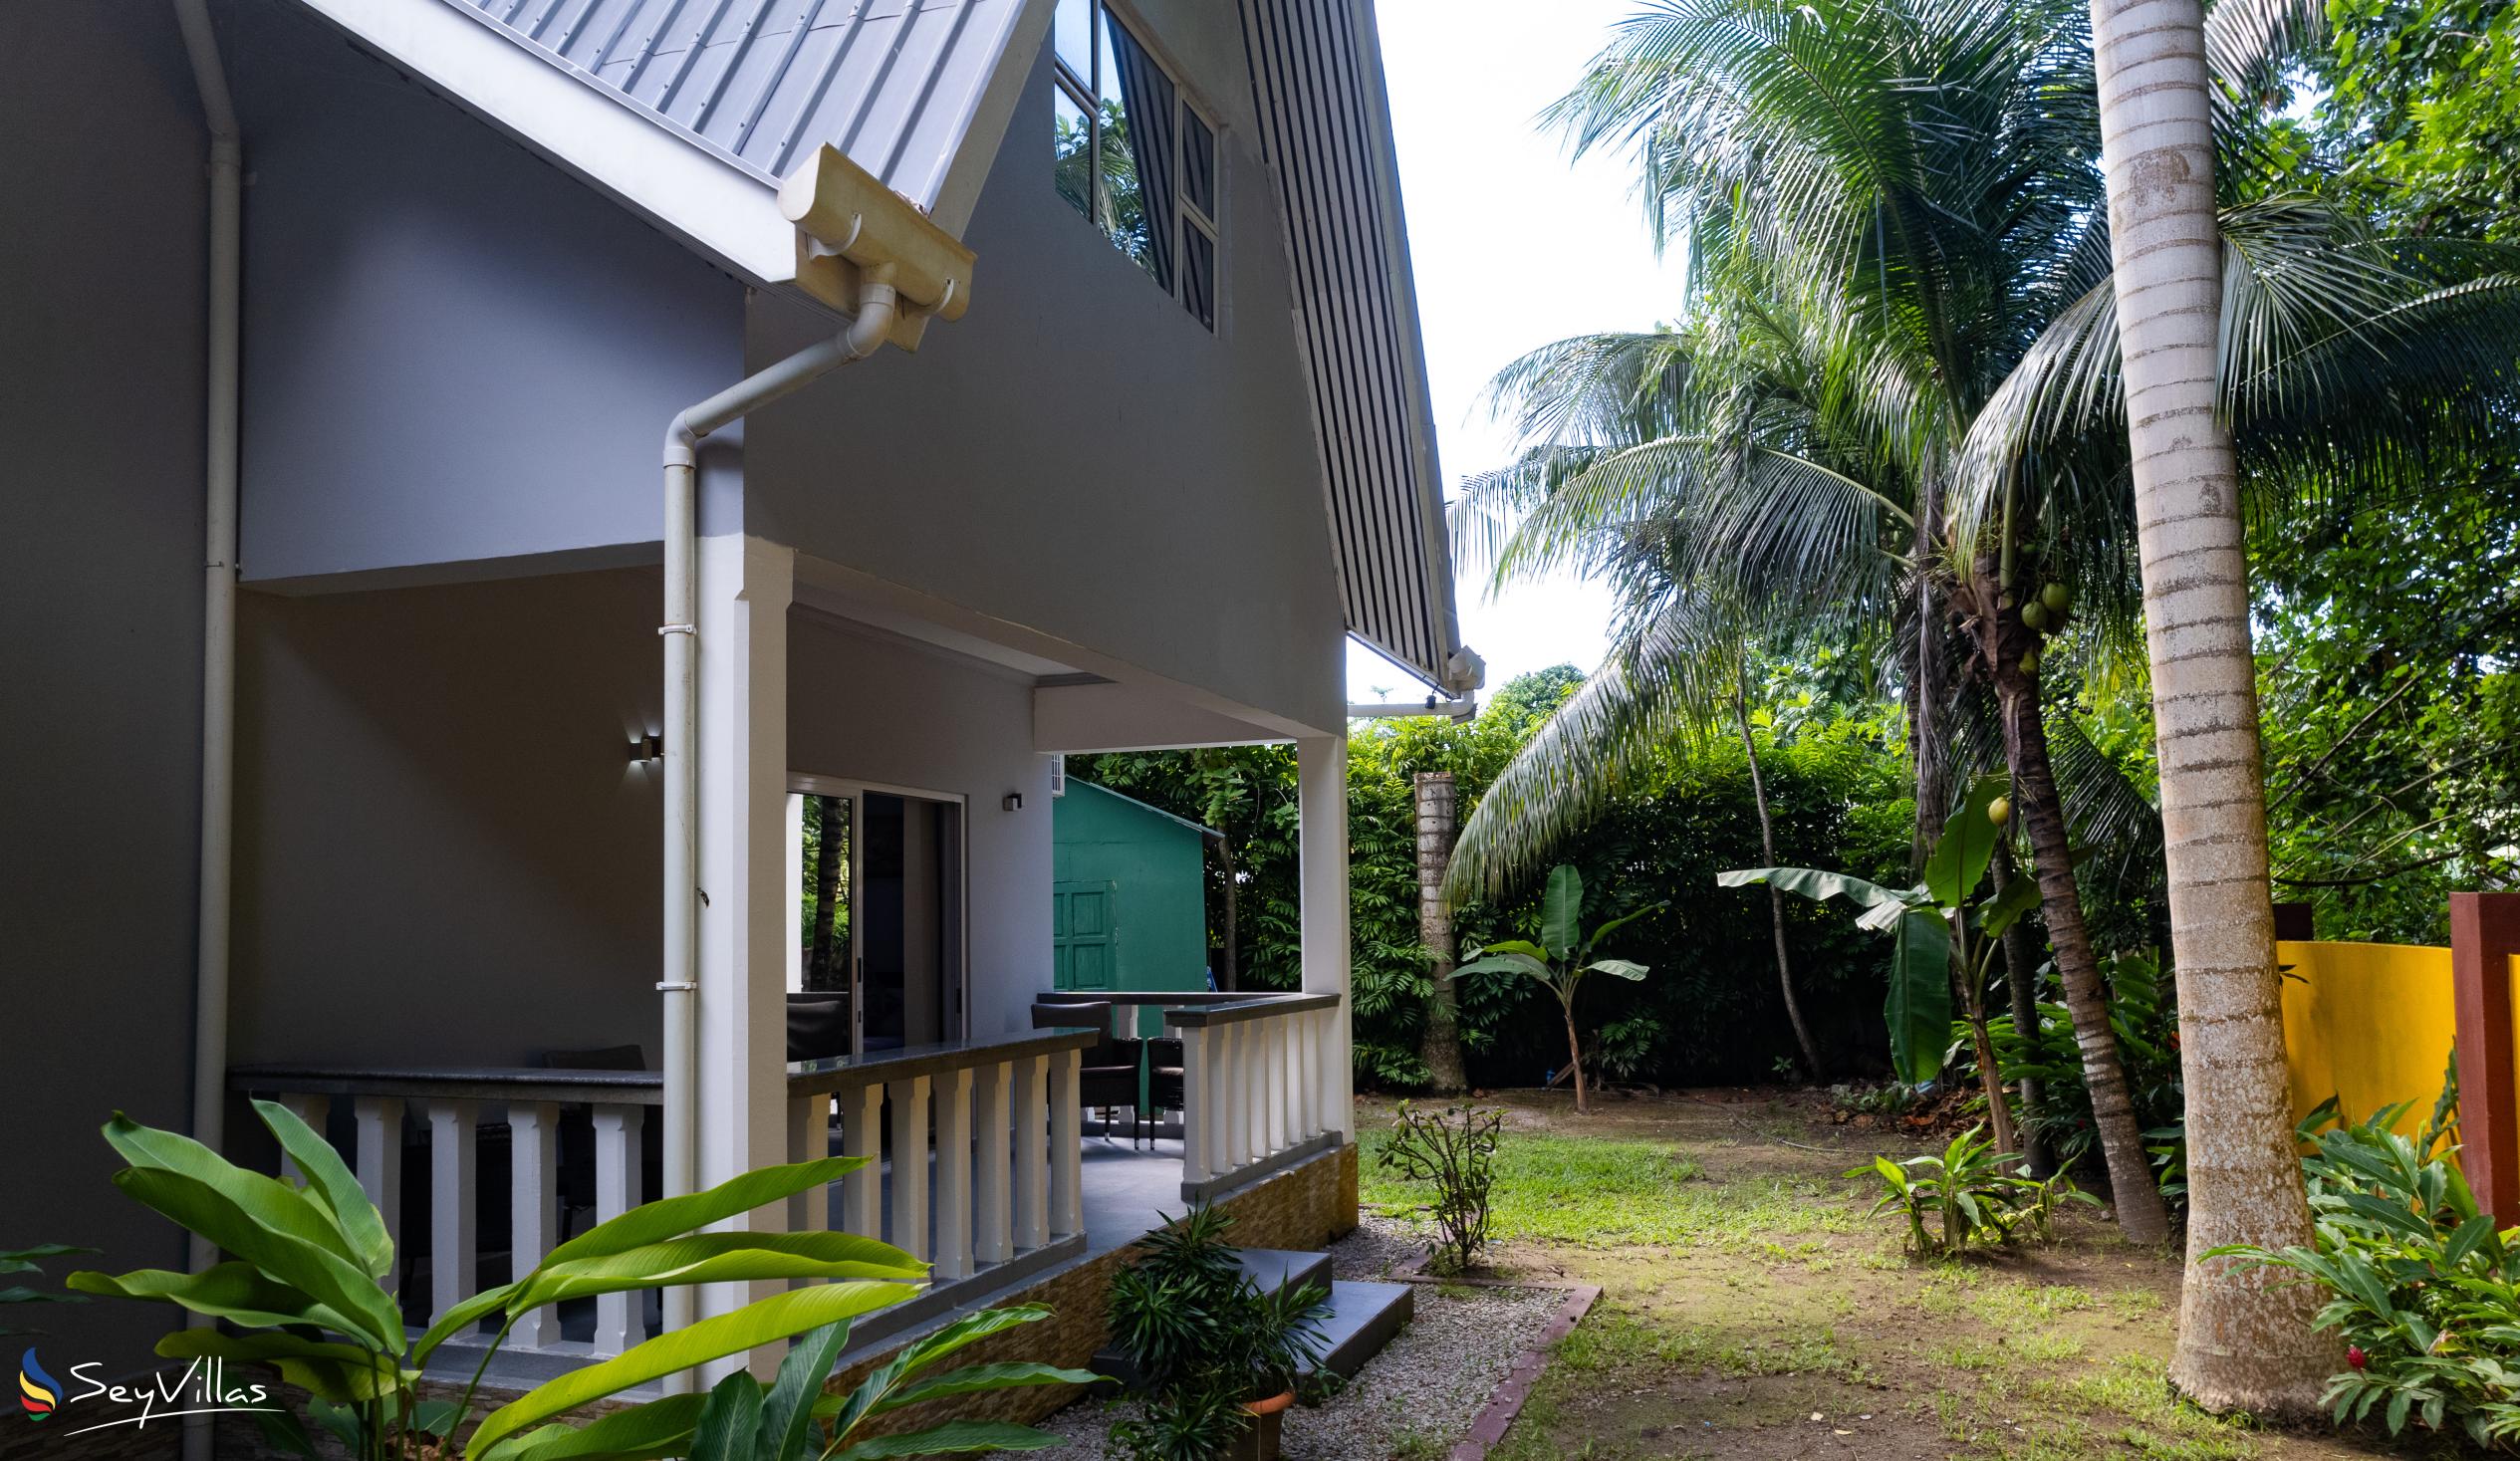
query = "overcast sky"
x=1490 y=195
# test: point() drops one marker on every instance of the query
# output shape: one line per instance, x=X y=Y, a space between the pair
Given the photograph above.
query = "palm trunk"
x=826 y=895
x=1925 y=698
x=2244 y=1340
x=2140 y=1214
x=1440 y=1044
x=2019 y=980
x=1776 y=900
x=1230 y=976
x=1574 y=1057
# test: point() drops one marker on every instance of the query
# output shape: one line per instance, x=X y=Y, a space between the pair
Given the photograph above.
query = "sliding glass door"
x=877 y=959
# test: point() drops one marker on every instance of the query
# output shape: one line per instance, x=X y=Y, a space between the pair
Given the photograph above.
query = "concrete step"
x=1362 y=1318
x=1272 y=1269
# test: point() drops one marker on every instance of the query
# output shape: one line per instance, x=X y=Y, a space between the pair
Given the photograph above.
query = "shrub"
x=2421 y=1288
x=1454 y=1148
x=1967 y=1193
x=1205 y=1339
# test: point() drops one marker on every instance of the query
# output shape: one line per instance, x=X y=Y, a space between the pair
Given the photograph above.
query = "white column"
x=992 y=1204
x=617 y=1183
x=380 y=1165
x=953 y=1174
x=1195 y=1102
x=909 y=1166
x=455 y=1257
x=1321 y=852
x=745 y=587
x=810 y=1140
x=533 y=1207
x=1066 y=1144
x=861 y=1136
x=1032 y=1151
x=315 y=1110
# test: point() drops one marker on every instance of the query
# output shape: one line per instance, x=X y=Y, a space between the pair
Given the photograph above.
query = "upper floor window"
x=1135 y=155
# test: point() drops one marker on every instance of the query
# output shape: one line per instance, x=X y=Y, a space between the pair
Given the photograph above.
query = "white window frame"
x=1083 y=92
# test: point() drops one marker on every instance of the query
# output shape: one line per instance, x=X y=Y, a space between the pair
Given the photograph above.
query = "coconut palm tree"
x=1882 y=404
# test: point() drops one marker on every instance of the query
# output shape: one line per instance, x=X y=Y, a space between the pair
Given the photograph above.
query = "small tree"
x=1562 y=957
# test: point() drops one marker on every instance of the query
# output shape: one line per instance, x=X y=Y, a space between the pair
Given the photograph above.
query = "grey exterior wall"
x=445 y=857
x=443 y=851
x=454 y=352
x=100 y=310
x=1078 y=454
x=864 y=706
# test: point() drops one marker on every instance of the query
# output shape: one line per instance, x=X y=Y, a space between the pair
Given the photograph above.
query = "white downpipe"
x=218 y=616
x=876 y=304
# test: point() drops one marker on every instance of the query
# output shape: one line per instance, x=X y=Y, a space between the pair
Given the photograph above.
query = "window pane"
x=1199 y=273
x=1138 y=112
x=1074 y=32
x=1198 y=163
x=1073 y=147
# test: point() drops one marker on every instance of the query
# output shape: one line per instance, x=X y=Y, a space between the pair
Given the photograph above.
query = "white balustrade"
x=972 y=1152
x=1253 y=1071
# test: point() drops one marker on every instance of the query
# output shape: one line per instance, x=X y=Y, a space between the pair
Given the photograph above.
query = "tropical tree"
x=1560 y=959
x=2244 y=1341
x=1885 y=398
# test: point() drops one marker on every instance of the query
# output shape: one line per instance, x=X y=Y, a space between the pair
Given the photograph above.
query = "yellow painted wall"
x=2368 y=1023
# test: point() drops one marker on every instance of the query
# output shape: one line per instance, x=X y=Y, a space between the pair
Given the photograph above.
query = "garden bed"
x=1417 y=1399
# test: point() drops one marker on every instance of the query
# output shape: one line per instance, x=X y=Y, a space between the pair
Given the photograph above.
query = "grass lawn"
x=1749 y=1308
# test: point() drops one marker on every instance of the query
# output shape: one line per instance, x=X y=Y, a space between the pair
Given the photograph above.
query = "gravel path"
x=1413 y=1400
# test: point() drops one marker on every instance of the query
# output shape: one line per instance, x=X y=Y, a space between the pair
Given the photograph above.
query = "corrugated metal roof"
x=1316 y=80
x=895 y=84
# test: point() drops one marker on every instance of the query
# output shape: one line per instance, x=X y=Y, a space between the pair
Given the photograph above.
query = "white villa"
x=561 y=580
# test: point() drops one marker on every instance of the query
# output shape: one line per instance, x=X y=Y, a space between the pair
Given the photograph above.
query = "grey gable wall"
x=454 y=352
x=1076 y=455
x=101 y=349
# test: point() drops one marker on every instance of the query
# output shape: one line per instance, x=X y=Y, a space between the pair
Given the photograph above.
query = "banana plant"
x=303 y=1286
x=1944 y=936
x=1562 y=957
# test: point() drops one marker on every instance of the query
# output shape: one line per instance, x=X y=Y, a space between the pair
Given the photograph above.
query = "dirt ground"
x=1751 y=1310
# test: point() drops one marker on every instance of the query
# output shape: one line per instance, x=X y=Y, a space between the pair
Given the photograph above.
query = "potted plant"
x=1217 y=1358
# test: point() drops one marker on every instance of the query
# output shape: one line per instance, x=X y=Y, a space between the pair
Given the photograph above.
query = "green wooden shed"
x=1128 y=900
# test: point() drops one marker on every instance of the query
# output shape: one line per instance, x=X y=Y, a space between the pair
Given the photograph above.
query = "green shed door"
x=1083 y=940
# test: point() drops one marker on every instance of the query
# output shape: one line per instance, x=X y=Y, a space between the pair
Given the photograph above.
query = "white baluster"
x=861 y=1136
x=617 y=1183
x=1231 y=1132
x=810 y=1140
x=910 y=1164
x=1194 y=1103
x=315 y=1110
x=1032 y=1151
x=533 y=1203
x=379 y=1166
x=1273 y=1096
x=453 y=1255
x=953 y=1174
x=1254 y=1106
x=1299 y=1076
x=992 y=1197
x=1325 y=1082
x=1066 y=1144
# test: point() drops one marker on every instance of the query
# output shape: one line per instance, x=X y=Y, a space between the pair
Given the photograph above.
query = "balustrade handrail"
x=1260 y=1007
x=847 y=1073
x=456 y=1082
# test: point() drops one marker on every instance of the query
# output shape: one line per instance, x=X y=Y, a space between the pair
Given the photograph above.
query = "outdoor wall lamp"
x=650 y=747
x=1014 y=802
